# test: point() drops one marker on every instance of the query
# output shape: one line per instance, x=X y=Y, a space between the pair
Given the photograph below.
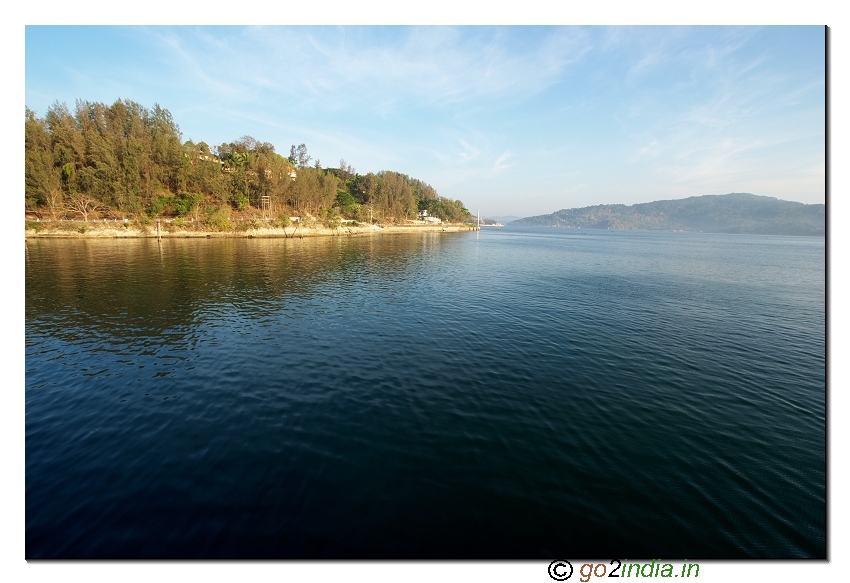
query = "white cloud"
x=502 y=161
x=349 y=67
x=618 y=110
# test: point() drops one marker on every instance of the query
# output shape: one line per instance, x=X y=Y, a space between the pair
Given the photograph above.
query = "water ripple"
x=510 y=394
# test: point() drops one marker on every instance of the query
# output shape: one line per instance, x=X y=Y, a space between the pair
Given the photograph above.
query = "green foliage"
x=348 y=205
x=331 y=218
x=185 y=202
x=283 y=221
x=43 y=185
x=217 y=218
x=451 y=211
x=344 y=199
x=355 y=212
x=32 y=225
x=158 y=205
x=240 y=201
x=131 y=159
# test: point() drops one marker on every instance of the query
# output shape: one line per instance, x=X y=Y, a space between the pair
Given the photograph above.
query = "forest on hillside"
x=124 y=160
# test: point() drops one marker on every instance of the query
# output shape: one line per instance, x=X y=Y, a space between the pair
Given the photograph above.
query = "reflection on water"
x=501 y=394
x=142 y=286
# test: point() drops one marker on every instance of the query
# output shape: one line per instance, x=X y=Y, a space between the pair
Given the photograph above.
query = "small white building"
x=423 y=215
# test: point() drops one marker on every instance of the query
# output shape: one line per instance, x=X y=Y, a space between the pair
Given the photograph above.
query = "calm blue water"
x=504 y=394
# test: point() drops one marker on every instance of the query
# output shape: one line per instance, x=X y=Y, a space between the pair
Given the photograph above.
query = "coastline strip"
x=94 y=230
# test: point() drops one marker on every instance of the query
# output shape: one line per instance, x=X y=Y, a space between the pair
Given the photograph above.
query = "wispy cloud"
x=502 y=162
x=505 y=112
x=197 y=63
x=349 y=67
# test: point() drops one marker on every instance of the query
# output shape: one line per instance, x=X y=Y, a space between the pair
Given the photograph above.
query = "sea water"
x=509 y=393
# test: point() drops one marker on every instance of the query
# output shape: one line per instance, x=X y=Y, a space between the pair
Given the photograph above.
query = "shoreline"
x=93 y=230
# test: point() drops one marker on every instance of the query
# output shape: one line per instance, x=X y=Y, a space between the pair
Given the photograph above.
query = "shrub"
x=185 y=202
x=246 y=225
x=217 y=219
x=240 y=201
x=157 y=206
x=331 y=218
x=355 y=211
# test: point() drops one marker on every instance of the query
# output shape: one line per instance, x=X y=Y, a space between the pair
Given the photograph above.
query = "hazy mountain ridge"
x=504 y=219
x=723 y=213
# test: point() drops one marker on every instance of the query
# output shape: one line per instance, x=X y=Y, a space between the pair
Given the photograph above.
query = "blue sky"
x=511 y=120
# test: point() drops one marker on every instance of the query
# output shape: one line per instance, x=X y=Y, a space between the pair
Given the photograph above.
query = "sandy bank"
x=83 y=230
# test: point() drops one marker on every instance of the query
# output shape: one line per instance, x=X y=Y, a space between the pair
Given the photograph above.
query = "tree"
x=43 y=184
x=395 y=197
x=345 y=171
x=133 y=159
x=331 y=218
x=301 y=157
x=247 y=144
x=83 y=204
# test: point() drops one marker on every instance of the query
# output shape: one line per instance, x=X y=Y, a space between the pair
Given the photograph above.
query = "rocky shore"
x=117 y=230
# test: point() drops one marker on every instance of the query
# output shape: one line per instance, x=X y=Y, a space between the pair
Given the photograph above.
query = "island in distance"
x=736 y=212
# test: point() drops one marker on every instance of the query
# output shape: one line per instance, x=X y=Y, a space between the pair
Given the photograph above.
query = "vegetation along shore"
x=124 y=171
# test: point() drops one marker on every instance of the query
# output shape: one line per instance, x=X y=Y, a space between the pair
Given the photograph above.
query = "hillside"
x=127 y=161
x=726 y=213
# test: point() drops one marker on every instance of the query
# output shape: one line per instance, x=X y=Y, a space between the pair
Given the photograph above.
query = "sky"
x=511 y=120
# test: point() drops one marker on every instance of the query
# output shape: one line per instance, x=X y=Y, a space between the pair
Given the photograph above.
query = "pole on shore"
x=158 y=235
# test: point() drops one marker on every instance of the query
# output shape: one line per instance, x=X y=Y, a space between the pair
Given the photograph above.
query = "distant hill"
x=504 y=219
x=723 y=213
